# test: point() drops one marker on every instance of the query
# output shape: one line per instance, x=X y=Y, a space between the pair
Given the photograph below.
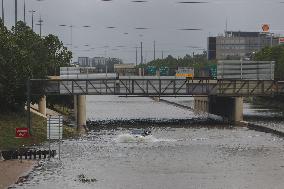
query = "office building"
x=238 y=44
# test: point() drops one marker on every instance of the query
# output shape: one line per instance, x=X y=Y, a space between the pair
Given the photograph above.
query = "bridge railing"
x=157 y=87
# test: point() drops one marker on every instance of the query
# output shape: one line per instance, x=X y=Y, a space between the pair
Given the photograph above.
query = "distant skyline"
x=115 y=28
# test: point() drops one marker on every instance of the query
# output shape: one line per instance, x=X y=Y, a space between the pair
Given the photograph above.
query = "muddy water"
x=173 y=157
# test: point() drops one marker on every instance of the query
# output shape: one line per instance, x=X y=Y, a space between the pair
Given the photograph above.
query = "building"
x=211 y=52
x=238 y=44
x=91 y=62
x=98 y=61
x=125 y=69
x=84 y=62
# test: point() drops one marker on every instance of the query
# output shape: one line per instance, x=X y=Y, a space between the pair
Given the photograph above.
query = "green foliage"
x=273 y=54
x=23 y=55
x=197 y=61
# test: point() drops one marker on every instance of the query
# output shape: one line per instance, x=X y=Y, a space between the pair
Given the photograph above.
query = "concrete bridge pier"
x=230 y=108
x=42 y=105
x=80 y=111
x=201 y=104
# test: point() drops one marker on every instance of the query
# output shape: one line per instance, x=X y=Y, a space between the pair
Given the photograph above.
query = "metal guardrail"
x=157 y=87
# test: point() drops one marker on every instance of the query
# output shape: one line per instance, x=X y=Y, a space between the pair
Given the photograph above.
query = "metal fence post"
x=29 y=105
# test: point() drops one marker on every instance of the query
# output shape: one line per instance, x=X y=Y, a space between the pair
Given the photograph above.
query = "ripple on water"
x=128 y=138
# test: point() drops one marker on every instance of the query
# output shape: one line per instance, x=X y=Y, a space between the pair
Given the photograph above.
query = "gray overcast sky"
x=162 y=17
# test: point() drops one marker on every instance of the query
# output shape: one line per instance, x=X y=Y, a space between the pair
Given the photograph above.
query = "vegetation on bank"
x=276 y=102
x=9 y=123
x=24 y=54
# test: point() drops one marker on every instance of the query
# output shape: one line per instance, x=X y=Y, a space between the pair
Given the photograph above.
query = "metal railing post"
x=29 y=105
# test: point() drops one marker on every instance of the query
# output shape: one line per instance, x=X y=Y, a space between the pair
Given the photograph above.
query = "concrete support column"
x=42 y=106
x=201 y=104
x=80 y=111
x=238 y=109
x=156 y=98
x=75 y=107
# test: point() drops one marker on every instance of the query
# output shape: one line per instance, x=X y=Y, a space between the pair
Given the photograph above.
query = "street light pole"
x=3 y=19
x=32 y=11
x=40 y=25
x=154 y=50
x=16 y=12
x=136 y=55
x=71 y=37
x=141 y=53
x=25 y=11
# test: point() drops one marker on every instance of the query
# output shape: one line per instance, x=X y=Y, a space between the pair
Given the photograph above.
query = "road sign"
x=22 y=133
x=54 y=127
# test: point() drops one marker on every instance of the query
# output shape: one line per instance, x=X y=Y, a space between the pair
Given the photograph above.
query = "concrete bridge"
x=220 y=97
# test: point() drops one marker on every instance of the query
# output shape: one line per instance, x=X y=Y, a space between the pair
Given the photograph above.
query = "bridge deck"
x=158 y=87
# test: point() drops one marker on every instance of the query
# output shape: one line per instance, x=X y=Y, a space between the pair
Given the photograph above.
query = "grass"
x=62 y=110
x=9 y=123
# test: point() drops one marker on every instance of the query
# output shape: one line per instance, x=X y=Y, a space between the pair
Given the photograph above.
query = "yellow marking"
x=184 y=75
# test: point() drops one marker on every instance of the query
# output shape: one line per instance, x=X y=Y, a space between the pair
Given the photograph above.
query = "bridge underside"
x=230 y=108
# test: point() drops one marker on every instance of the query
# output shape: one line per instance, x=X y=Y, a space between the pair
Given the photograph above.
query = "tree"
x=23 y=55
x=273 y=54
x=58 y=55
x=197 y=61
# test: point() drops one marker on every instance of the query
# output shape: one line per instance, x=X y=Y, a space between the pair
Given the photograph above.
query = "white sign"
x=54 y=127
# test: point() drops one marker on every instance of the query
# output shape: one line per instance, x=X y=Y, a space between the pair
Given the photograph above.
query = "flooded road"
x=173 y=157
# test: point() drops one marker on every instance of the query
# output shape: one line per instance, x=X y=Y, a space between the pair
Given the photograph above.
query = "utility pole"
x=154 y=50
x=162 y=55
x=3 y=19
x=71 y=37
x=40 y=25
x=136 y=55
x=32 y=11
x=16 y=12
x=25 y=11
x=141 y=53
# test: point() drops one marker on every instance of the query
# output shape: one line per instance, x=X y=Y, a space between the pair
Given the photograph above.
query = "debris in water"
x=82 y=178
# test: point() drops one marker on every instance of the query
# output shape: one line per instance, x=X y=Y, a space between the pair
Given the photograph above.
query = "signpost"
x=55 y=130
x=22 y=133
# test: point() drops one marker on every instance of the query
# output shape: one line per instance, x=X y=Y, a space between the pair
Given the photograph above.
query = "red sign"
x=281 y=40
x=22 y=133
